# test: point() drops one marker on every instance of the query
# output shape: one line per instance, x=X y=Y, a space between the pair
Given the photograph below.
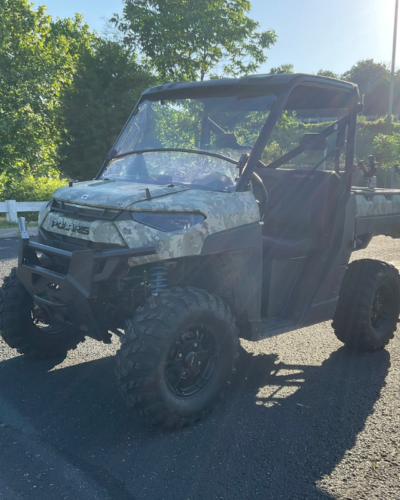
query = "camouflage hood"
x=221 y=212
x=112 y=194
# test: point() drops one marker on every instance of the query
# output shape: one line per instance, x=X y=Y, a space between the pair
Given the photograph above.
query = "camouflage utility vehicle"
x=206 y=224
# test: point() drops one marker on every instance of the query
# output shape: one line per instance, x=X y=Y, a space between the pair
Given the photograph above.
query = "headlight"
x=167 y=222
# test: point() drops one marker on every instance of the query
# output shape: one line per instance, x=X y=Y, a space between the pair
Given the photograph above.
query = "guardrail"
x=321 y=119
x=11 y=208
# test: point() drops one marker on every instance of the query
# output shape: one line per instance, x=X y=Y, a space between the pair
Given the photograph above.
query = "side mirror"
x=314 y=142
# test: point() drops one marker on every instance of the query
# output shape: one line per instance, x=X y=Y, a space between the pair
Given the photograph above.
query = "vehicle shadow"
x=277 y=430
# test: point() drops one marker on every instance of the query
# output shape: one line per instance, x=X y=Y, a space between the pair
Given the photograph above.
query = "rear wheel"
x=176 y=356
x=369 y=305
x=25 y=327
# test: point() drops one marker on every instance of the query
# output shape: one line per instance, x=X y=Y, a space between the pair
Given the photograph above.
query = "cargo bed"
x=377 y=213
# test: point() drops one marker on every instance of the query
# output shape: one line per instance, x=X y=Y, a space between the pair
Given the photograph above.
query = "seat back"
x=302 y=204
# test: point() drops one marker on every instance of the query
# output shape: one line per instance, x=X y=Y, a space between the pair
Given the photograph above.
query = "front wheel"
x=24 y=326
x=369 y=305
x=176 y=356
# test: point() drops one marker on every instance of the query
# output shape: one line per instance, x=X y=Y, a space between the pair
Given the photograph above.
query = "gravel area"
x=302 y=419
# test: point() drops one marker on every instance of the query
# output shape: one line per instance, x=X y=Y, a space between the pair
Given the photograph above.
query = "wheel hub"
x=42 y=321
x=190 y=359
x=39 y=316
x=190 y=362
x=380 y=307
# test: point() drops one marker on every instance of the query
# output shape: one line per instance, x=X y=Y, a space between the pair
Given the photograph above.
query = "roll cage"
x=292 y=92
x=307 y=92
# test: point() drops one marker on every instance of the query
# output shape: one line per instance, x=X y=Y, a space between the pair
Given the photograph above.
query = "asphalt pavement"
x=302 y=419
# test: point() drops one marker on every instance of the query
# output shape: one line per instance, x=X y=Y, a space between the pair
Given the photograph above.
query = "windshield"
x=194 y=142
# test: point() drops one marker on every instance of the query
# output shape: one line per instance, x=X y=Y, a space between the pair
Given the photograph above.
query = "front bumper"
x=70 y=297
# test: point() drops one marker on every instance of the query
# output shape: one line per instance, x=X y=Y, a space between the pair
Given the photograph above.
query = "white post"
x=393 y=58
x=11 y=211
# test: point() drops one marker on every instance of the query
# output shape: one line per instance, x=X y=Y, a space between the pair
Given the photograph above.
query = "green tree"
x=107 y=83
x=283 y=68
x=387 y=149
x=373 y=80
x=189 y=39
x=328 y=73
x=37 y=60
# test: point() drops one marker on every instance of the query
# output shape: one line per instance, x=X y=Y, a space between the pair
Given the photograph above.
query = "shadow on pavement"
x=278 y=429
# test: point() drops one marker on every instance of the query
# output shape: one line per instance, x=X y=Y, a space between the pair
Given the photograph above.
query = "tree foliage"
x=189 y=39
x=37 y=60
x=368 y=75
x=373 y=80
x=29 y=187
x=387 y=148
x=328 y=73
x=107 y=83
x=283 y=68
x=65 y=92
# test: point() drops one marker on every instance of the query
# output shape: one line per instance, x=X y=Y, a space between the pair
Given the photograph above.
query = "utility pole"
x=393 y=59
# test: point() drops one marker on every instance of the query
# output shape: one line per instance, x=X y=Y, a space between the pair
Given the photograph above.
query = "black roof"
x=310 y=92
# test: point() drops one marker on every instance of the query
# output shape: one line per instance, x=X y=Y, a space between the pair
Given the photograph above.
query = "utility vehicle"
x=202 y=227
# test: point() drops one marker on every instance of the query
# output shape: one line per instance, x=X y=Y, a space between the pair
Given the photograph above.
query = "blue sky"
x=313 y=34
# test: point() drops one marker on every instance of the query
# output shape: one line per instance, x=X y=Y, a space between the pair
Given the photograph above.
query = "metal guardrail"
x=322 y=119
x=11 y=208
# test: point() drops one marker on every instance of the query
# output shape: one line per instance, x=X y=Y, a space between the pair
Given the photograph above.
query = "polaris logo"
x=70 y=226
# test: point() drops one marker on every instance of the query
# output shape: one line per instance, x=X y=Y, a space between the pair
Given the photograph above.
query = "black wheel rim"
x=43 y=323
x=383 y=308
x=191 y=362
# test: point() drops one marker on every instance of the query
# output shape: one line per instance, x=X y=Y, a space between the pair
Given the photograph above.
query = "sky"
x=312 y=34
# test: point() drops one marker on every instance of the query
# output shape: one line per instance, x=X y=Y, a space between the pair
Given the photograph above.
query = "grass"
x=9 y=225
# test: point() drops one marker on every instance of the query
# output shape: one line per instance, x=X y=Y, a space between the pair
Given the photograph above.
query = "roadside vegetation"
x=65 y=90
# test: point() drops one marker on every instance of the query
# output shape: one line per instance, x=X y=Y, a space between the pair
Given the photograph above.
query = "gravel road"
x=302 y=419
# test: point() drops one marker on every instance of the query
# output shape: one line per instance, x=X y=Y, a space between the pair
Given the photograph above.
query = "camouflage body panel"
x=96 y=231
x=222 y=211
x=43 y=213
x=368 y=205
x=112 y=194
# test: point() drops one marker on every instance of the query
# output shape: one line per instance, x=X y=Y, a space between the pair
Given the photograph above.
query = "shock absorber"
x=158 y=278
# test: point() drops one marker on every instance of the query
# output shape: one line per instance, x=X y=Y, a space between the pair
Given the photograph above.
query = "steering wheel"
x=178 y=175
x=217 y=180
x=260 y=192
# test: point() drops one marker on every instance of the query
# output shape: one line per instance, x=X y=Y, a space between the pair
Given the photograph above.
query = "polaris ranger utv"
x=196 y=232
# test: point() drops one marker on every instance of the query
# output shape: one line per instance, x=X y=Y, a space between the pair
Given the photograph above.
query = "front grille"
x=61 y=264
x=82 y=212
x=72 y=244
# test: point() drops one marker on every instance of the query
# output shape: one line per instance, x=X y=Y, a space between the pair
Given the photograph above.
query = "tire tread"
x=351 y=322
x=14 y=332
x=144 y=340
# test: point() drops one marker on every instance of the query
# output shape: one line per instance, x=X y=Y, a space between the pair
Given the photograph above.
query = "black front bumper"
x=71 y=297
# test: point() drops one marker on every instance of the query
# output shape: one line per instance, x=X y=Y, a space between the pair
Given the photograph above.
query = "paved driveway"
x=302 y=419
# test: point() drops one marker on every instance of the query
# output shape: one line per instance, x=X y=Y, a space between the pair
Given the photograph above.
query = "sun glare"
x=387 y=8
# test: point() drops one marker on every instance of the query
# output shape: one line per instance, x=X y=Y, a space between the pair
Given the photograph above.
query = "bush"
x=29 y=188
x=387 y=149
